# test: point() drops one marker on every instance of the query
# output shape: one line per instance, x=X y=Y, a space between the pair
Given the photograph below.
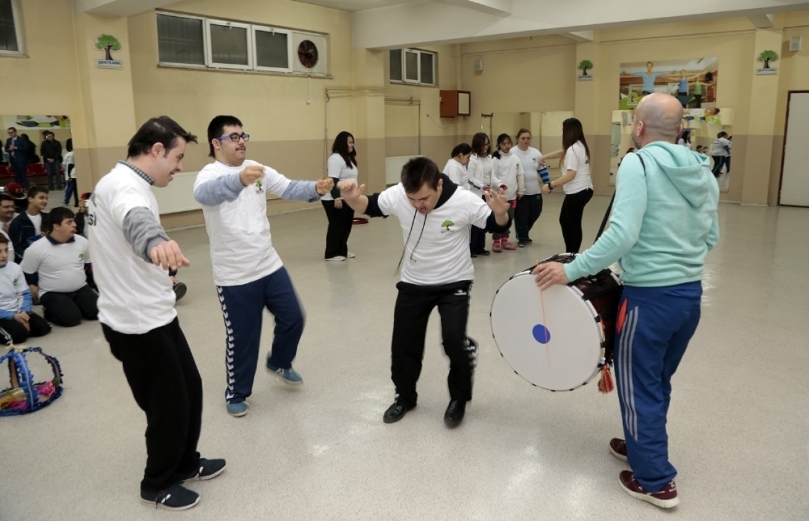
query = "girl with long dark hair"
x=342 y=164
x=481 y=175
x=575 y=180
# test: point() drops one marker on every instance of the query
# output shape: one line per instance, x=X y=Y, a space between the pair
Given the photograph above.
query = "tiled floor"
x=739 y=432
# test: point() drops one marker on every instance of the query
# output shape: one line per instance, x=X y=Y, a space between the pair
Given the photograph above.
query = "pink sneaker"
x=507 y=245
x=496 y=246
x=665 y=498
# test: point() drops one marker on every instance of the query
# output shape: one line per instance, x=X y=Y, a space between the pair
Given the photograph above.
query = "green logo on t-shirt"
x=446 y=224
x=81 y=256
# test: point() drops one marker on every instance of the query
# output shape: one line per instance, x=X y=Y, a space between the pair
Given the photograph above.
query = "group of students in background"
x=521 y=173
x=44 y=259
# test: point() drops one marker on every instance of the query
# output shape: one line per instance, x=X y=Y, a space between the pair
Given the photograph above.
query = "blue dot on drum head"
x=541 y=334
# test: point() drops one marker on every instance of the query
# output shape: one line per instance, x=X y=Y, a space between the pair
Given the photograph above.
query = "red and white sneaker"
x=496 y=246
x=664 y=498
x=507 y=245
x=618 y=448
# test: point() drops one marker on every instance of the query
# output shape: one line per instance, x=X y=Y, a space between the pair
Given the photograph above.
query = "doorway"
x=794 y=189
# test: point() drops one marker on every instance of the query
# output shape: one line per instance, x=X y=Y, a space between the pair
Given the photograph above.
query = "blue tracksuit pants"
x=243 y=310
x=654 y=328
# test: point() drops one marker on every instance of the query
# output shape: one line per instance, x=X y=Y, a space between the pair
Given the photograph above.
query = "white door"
x=795 y=173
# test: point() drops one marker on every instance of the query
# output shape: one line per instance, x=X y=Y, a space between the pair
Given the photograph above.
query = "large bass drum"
x=557 y=338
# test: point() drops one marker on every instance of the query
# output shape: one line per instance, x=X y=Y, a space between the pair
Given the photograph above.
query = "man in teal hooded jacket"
x=663 y=223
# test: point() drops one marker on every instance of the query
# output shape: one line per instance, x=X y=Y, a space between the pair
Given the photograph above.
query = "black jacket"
x=51 y=150
x=20 y=230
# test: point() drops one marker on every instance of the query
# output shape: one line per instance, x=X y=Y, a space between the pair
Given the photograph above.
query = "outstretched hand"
x=324 y=186
x=497 y=201
x=167 y=255
x=349 y=189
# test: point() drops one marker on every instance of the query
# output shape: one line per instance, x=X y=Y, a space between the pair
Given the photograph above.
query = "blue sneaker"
x=238 y=409
x=290 y=376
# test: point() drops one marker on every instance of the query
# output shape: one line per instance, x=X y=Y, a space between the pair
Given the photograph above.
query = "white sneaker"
x=350 y=255
x=336 y=258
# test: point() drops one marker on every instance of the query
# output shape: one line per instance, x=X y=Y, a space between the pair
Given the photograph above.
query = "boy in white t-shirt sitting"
x=56 y=269
x=17 y=317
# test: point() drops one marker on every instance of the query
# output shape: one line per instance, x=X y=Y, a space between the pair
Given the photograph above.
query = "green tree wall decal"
x=107 y=43
x=584 y=65
x=767 y=57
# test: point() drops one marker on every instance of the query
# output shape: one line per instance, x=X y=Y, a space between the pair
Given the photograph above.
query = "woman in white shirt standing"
x=455 y=168
x=481 y=178
x=685 y=138
x=511 y=178
x=529 y=206
x=342 y=164
x=576 y=180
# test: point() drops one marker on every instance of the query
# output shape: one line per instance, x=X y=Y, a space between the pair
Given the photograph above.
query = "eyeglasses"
x=235 y=137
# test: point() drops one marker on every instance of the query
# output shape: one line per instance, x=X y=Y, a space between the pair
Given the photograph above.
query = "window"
x=10 y=42
x=229 y=45
x=412 y=66
x=180 y=40
x=396 y=65
x=195 y=41
x=272 y=49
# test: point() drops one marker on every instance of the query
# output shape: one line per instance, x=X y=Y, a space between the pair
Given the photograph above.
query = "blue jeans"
x=20 y=168
x=243 y=310
x=70 y=189
x=52 y=170
x=653 y=331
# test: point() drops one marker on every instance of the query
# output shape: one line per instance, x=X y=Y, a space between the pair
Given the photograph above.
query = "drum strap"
x=609 y=208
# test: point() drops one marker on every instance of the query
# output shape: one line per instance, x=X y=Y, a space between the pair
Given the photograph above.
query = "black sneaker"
x=179 y=291
x=176 y=497
x=522 y=244
x=396 y=411
x=455 y=413
x=208 y=469
x=484 y=252
x=529 y=241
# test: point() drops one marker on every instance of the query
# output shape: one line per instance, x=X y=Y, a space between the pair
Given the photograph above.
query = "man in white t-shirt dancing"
x=436 y=217
x=248 y=272
x=132 y=255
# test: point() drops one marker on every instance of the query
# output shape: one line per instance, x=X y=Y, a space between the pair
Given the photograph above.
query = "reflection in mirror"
x=35 y=152
x=704 y=125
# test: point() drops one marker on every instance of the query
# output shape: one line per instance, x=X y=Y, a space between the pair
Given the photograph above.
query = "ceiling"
x=379 y=24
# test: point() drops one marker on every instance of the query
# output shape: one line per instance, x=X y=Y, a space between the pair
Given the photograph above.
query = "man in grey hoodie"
x=663 y=223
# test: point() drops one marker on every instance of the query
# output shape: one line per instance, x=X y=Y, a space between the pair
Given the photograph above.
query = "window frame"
x=205 y=38
x=267 y=29
x=209 y=45
x=418 y=52
x=18 y=32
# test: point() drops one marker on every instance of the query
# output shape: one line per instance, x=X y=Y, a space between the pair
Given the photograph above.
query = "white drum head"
x=556 y=346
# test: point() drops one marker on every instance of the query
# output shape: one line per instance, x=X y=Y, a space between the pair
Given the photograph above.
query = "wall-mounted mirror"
x=34 y=149
x=703 y=124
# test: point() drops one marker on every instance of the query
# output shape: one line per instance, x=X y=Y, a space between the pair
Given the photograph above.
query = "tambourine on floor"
x=560 y=338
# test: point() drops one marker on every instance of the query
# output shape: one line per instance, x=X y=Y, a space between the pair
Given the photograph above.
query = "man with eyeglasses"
x=248 y=272
x=19 y=151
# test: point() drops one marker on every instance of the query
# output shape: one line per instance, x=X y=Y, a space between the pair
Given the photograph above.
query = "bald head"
x=658 y=117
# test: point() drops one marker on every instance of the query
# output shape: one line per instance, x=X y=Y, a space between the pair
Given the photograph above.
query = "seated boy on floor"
x=16 y=311
x=58 y=271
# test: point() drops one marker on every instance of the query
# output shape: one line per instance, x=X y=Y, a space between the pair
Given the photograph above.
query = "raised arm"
x=353 y=195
